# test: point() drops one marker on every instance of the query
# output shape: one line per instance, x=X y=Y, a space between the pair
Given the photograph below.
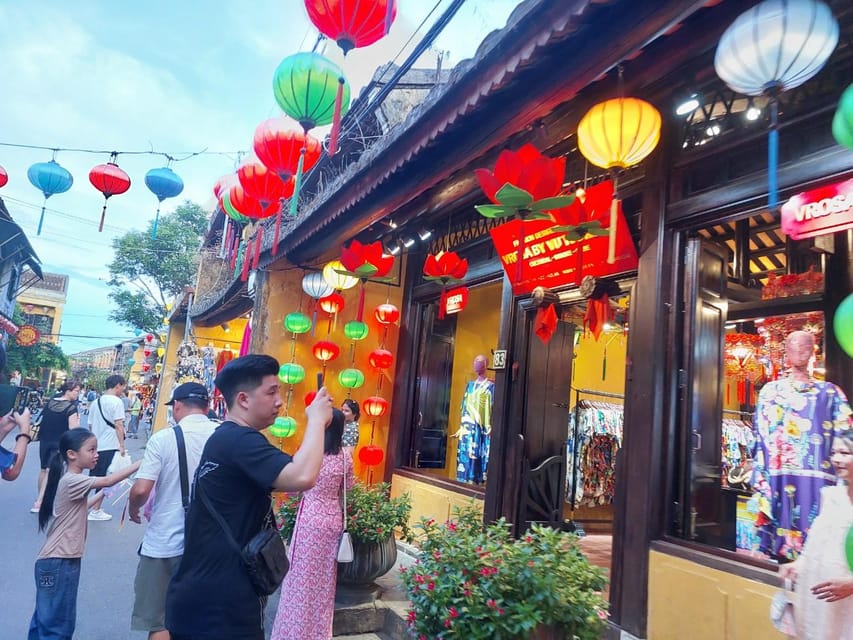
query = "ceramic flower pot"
x=370 y=561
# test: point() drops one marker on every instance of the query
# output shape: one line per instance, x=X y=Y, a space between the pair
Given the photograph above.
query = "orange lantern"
x=375 y=406
x=387 y=313
x=325 y=351
x=381 y=359
x=370 y=455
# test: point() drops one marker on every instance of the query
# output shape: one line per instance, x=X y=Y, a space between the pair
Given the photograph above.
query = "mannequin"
x=225 y=356
x=472 y=454
x=796 y=419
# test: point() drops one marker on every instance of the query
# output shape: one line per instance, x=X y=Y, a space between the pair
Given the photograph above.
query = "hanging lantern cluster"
x=365 y=262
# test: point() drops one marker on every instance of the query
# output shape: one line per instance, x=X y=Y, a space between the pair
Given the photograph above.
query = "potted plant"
x=372 y=518
x=475 y=582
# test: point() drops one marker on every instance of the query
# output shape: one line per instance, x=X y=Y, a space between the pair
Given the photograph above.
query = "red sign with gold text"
x=819 y=211
x=456 y=300
x=551 y=260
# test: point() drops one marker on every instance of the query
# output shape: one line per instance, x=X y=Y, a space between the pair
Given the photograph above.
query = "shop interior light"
x=688 y=106
x=753 y=113
x=392 y=224
x=424 y=234
x=225 y=327
x=408 y=242
x=713 y=130
x=393 y=247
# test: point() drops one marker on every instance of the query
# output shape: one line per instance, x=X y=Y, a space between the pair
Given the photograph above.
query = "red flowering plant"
x=473 y=582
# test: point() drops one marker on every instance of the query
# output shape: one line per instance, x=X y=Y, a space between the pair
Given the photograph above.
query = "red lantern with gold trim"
x=326 y=351
x=386 y=313
x=381 y=359
x=375 y=406
x=370 y=455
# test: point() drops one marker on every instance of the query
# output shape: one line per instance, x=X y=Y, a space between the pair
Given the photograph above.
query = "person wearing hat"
x=158 y=482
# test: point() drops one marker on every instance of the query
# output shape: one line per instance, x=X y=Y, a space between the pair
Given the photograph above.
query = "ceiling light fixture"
x=713 y=130
x=408 y=242
x=424 y=234
x=688 y=106
x=393 y=248
x=753 y=113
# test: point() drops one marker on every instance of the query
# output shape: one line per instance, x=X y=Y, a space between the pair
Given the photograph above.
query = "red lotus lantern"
x=326 y=351
x=4 y=177
x=332 y=303
x=447 y=268
x=370 y=455
x=352 y=23
x=110 y=180
x=365 y=261
x=375 y=406
x=146 y=367
x=386 y=313
x=381 y=359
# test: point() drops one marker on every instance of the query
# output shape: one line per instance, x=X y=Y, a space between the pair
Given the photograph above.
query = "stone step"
x=363 y=636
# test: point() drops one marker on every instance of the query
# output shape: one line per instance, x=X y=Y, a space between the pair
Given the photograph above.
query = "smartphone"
x=319 y=381
x=13 y=398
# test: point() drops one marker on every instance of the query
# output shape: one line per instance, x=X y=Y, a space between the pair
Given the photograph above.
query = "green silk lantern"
x=283 y=427
x=305 y=86
x=842 y=324
x=355 y=330
x=351 y=378
x=297 y=322
x=842 y=122
x=291 y=373
x=230 y=211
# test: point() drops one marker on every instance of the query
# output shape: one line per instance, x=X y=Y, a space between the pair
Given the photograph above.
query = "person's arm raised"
x=302 y=472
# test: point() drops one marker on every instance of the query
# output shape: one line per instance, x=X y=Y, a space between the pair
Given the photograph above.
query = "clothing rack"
x=739 y=413
x=572 y=525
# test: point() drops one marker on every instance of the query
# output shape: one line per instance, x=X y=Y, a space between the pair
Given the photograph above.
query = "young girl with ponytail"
x=63 y=512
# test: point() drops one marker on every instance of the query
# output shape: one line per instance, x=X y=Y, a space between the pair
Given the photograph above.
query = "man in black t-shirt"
x=210 y=596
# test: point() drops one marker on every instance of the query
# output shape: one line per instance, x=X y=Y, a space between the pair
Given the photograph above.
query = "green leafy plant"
x=371 y=513
x=472 y=582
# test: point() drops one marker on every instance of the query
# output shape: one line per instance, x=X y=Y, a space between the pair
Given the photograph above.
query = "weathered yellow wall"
x=688 y=600
x=429 y=501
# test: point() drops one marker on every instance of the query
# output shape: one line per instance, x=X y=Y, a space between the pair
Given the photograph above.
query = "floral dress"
x=350 y=437
x=795 y=424
x=472 y=454
x=307 y=603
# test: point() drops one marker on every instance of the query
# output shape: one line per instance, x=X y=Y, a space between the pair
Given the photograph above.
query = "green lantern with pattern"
x=291 y=373
x=297 y=322
x=351 y=378
x=355 y=330
x=283 y=427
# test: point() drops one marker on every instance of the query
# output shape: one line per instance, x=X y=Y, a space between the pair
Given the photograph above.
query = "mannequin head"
x=480 y=364
x=799 y=349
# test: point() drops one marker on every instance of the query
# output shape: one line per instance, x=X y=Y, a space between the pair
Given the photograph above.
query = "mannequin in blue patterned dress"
x=352 y=412
x=472 y=453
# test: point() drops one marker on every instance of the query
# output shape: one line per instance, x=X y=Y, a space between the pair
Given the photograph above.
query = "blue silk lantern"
x=163 y=183
x=50 y=178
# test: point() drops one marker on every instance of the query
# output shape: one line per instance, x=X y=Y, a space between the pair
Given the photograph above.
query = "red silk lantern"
x=352 y=23
x=278 y=145
x=375 y=406
x=223 y=184
x=248 y=206
x=325 y=351
x=332 y=303
x=146 y=367
x=110 y=180
x=309 y=397
x=387 y=313
x=370 y=455
x=4 y=177
x=381 y=359
x=268 y=189
x=365 y=261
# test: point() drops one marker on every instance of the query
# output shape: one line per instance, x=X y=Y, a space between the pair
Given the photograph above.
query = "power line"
x=172 y=156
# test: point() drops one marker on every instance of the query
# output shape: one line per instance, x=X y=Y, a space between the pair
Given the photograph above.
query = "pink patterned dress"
x=307 y=603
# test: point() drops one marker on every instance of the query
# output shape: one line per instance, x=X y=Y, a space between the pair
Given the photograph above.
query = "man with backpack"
x=106 y=421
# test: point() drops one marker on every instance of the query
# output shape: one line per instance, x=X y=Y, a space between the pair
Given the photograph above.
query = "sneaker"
x=35 y=509
x=99 y=515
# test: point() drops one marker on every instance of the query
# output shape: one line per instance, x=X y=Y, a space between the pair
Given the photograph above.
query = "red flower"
x=446 y=266
x=453 y=612
x=590 y=205
x=366 y=260
x=541 y=176
x=491 y=603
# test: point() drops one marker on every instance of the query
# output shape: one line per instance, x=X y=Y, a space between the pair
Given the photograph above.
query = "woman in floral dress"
x=307 y=602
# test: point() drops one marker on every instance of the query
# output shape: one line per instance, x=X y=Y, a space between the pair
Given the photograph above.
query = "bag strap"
x=98 y=402
x=344 y=458
x=182 y=466
x=229 y=536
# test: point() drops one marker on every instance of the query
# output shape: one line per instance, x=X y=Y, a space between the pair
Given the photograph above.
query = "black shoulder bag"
x=264 y=556
x=182 y=466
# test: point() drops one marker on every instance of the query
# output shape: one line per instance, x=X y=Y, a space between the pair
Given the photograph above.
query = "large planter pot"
x=370 y=561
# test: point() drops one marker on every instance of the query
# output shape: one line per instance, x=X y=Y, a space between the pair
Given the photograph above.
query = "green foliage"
x=474 y=582
x=146 y=271
x=371 y=513
x=29 y=360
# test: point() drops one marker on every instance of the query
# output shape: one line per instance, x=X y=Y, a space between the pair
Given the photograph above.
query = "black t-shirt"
x=210 y=595
x=54 y=420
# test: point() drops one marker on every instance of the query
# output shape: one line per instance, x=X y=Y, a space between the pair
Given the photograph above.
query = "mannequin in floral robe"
x=472 y=453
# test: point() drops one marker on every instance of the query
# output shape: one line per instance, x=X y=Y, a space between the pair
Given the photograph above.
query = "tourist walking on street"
x=106 y=421
x=11 y=462
x=135 y=409
x=307 y=603
x=57 y=569
x=211 y=596
x=162 y=472
x=58 y=416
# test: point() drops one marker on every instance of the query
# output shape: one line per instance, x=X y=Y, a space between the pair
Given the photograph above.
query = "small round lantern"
x=158 y=367
x=842 y=324
x=291 y=373
x=315 y=285
x=375 y=406
x=297 y=322
x=355 y=330
x=351 y=378
x=324 y=350
x=147 y=352
x=309 y=397
x=370 y=455
x=146 y=367
x=387 y=313
x=283 y=427
x=149 y=338
x=332 y=304
x=337 y=280
x=381 y=359
x=131 y=362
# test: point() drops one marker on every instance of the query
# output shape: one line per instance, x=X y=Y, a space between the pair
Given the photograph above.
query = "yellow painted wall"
x=429 y=501
x=588 y=366
x=688 y=600
x=477 y=328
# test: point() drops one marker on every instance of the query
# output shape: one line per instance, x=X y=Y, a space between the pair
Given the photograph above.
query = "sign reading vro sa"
x=819 y=211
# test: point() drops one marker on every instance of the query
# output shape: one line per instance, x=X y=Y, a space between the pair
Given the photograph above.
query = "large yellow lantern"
x=337 y=280
x=616 y=134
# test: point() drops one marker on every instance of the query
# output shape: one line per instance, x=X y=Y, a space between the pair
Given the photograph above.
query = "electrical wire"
x=170 y=155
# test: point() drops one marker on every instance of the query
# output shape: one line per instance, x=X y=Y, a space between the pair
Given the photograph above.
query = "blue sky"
x=174 y=76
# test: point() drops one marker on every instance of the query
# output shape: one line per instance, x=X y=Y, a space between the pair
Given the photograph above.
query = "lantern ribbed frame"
x=283 y=427
x=381 y=359
x=336 y=280
x=351 y=378
x=386 y=313
x=305 y=86
x=291 y=373
x=375 y=406
x=325 y=351
x=332 y=303
x=619 y=133
x=297 y=322
x=371 y=455
x=355 y=330
x=315 y=285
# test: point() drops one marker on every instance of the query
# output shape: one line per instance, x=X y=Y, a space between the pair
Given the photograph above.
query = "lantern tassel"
x=336 y=119
x=773 y=157
x=294 y=199
x=277 y=227
x=314 y=318
x=103 y=215
x=156 y=220
x=360 y=314
x=237 y=260
x=611 y=246
x=442 y=303
x=258 y=244
x=41 y=218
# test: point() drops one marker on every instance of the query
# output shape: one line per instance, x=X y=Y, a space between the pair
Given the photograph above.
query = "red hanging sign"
x=27 y=335
x=819 y=211
x=551 y=260
x=455 y=300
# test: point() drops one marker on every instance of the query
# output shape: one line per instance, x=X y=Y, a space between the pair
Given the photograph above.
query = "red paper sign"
x=456 y=300
x=819 y=211
x=551 y=260
x=27 y=335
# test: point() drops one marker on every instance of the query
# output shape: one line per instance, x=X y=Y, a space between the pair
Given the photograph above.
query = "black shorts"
x=46 y=451
x=105 y=459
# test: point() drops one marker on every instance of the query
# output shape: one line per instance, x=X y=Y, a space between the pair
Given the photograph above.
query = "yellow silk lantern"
x=616 y=134
x=337 y=280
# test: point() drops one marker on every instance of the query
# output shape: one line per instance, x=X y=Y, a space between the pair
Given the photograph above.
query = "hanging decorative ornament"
x=131 y=362
x=50 y=178
x=147 y=351
x=309 y=397
x=250 y=207
x=773 y=47
x=326 y=351
x=162 y=337
x=315 y=285
x=842 y=325
x=842 y=122
x=375 y=406
x=268 y=189
x=4 y=177
x=336 y=276
x=313 y=91
x=158 y=367
x=291 y=373
x=386 y=313
x=355 y=330
x=741 y=363
x=110 y=180
x=163 y=183
x=160 y=352
x=146 y=367
x=332 y=304
x=283 y=427
x=352 y=23
x=223 y=184
x=381 y=359
x=371 y=455
x=365 y=261
x=297 y=322
x=149 y=338
x=351 y=378
x=447 y=268
x=616 y=134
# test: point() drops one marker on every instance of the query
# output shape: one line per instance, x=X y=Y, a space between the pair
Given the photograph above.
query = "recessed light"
x=688 y=106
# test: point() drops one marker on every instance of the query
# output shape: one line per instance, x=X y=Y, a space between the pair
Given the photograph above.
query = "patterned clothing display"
x=738 y=443
x=823 y=559
x=208 y=359
x=350 y=437
x=795 y=423
x=599 y=437
x=472 y=454
x=307 y=602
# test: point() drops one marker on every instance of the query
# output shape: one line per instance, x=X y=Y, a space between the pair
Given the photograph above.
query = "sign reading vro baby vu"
x=819 y=211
